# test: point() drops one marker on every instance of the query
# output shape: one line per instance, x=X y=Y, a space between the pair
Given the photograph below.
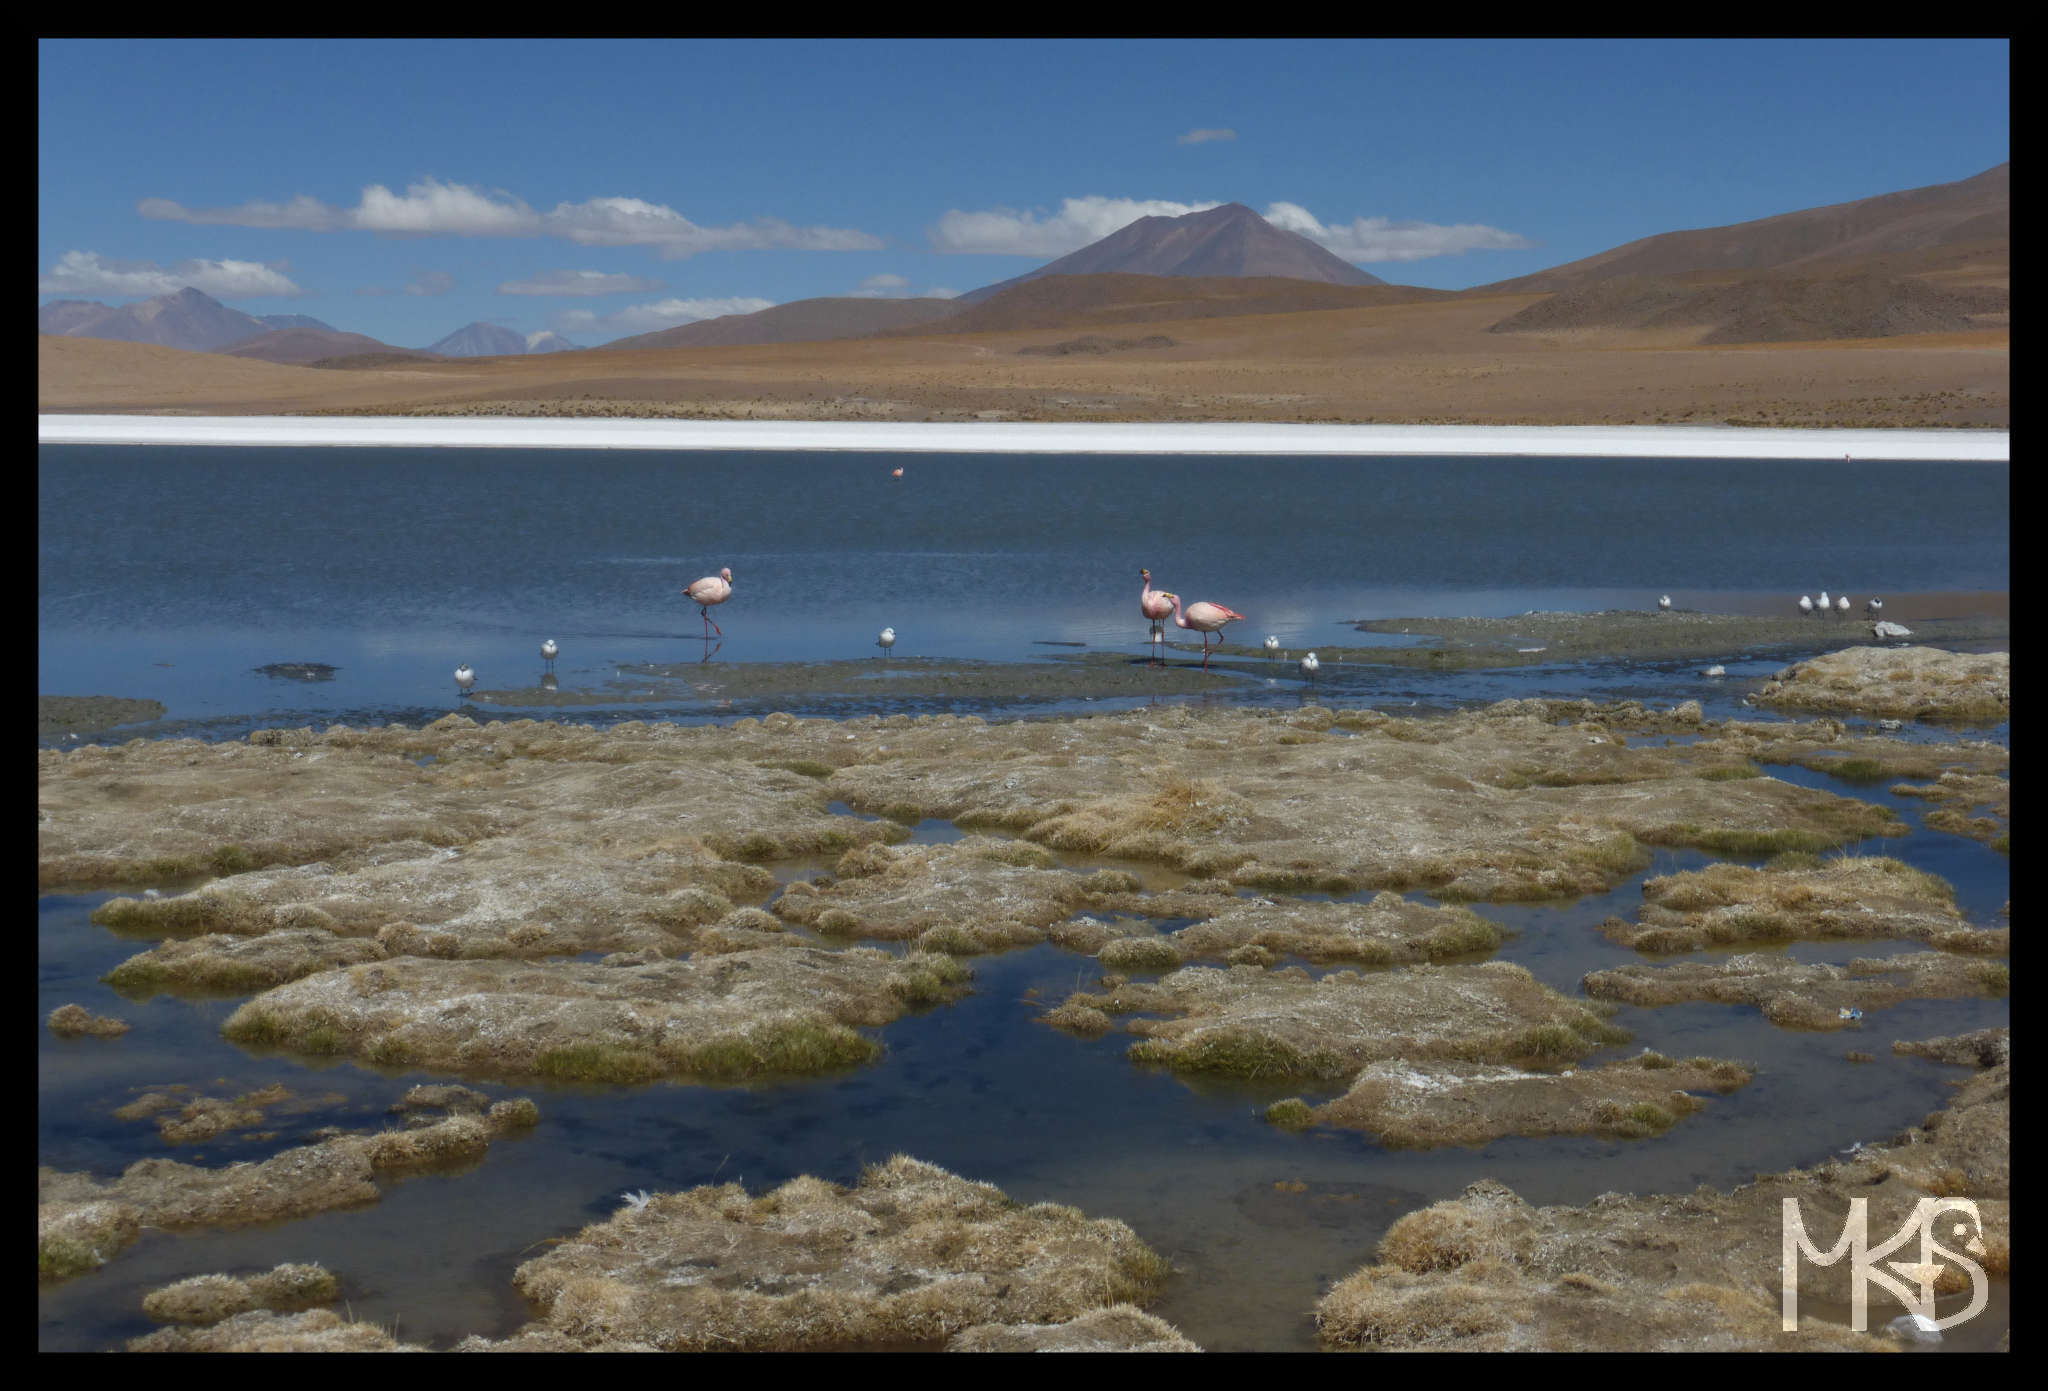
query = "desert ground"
x=1432 y=362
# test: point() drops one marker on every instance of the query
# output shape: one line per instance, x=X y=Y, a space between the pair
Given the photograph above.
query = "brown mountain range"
x=1089 y=301
x=1974 y=213
x=1767 y=308
x=298 y=346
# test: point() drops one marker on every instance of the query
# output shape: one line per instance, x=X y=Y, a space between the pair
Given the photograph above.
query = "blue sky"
x=405 y=188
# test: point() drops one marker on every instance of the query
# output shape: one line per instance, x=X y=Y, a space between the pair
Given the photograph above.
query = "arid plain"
x=1424 y=361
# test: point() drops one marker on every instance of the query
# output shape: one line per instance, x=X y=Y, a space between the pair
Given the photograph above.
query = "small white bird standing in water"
x=1806 y=604
x=1874 y=607
x=1826 y=605
x=1272 y=644
x=549 y=651
x=464 y=678
x=1665 y=603
x=1842 y=604
x=1310 y=666
x=886 y=639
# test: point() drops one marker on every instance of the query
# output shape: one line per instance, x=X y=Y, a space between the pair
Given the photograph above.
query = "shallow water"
x=174 y=573
x=392 y=565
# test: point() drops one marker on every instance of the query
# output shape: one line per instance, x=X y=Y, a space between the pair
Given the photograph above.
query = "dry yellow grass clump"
x=1796 y=996
x=911 y=1255
x=1904 y=682
x=1249 y=1022
x=1870 y=896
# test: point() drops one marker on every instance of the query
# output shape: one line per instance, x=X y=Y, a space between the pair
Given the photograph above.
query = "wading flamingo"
x=464 y=678
x=1157 y=606
x=712 y=589
x=1203 y=618
x=549 y=651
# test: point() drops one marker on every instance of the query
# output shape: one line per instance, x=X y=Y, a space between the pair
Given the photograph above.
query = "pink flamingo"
x=1157 y=606
x=1203 y=618
x=712 y=589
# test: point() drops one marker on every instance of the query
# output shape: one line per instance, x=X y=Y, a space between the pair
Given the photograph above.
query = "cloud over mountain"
x=433 y=208
x=1384 y=239
x=667 y=313
x=89 y=273
x=1080 y=221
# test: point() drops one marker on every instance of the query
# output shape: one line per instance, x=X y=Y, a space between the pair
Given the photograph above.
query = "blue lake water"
x=171 y=573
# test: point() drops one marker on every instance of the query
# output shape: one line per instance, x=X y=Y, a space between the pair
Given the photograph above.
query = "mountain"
x=799 y=321
x=300 y=346
x=481 y=340
x=1913 y=225
x=548 y=341
x=1084 y=302
x=1230 y=240
x=187 y=319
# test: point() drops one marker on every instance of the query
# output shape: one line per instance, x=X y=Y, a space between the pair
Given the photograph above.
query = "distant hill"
x=1975 y=212
x=1768 y=308
x=481 y=340
x=1228 y=241
x=302 y=346
x=187 y=319
x=1088 y=301
x=799 y=321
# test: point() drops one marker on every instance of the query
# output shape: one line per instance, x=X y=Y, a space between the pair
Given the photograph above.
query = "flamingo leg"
x=709 y=621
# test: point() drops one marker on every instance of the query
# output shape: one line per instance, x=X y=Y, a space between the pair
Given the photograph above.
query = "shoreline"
x=1008 y=437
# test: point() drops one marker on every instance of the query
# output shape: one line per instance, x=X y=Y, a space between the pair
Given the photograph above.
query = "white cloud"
x=433 y=208
x=430 y=282
x=646 y=318
x=1204 y=136
x=883 y=286
x=89 y=273
x=1383 y=239
x=579 y=282
x=1006 y=232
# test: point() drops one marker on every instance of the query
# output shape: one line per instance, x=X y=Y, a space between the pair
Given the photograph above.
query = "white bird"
x=886 y=639
x=1806 y=603
x=1272 y=644
x=1882 y=631
x=1842 y=604
x=549 y=651
x=1874 y=607
x=464 y=677
x=1825 y=605
x=1309 y=666
x=1665 y=603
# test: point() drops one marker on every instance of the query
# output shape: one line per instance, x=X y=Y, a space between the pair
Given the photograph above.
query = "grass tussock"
x=1291 y=1114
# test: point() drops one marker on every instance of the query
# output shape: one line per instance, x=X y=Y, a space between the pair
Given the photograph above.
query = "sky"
x=601 y=188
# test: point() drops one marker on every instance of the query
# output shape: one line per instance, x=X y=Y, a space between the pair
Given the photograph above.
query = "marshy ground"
x=1310 y=902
